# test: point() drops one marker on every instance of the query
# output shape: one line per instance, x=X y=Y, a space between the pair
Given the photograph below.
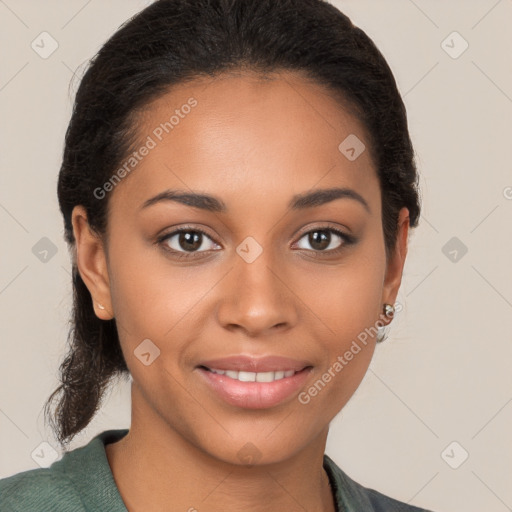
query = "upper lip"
x=256 y=364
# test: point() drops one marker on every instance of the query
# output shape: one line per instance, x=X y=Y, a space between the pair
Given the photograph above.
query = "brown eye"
x=319 y=240
x=187 y=240
x=190 y=240
x=322 y=239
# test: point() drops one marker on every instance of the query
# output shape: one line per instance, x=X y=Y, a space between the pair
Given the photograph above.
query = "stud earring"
x=389 y=310
x=100 y=306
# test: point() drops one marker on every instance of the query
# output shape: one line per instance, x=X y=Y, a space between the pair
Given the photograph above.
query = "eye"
x=187 y=240
x=321 y=240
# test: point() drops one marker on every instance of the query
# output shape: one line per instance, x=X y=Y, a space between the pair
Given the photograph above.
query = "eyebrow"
x=210 y=203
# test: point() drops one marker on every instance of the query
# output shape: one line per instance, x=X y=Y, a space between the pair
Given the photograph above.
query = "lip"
x=256 y=364
x=254 y=395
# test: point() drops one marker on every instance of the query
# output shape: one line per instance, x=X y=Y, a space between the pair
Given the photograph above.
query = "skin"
x=253 y=143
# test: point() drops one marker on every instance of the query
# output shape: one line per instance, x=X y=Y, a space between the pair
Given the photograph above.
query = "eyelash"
x=347 y=240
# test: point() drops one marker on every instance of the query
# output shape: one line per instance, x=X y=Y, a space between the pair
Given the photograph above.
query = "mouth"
x=245 y=376
x=253 y=390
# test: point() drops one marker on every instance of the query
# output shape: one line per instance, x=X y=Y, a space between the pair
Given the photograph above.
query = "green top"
x=82 y=481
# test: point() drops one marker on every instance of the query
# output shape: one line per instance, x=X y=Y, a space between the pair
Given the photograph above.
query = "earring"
x=100 y=306
x=389 y=310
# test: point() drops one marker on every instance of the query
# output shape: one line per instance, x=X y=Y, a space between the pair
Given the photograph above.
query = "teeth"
x=254 y=377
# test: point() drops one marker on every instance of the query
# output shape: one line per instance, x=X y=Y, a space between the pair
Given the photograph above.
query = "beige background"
x=443 y=375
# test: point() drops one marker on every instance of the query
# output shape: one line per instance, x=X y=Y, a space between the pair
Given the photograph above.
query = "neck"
x=156 y=468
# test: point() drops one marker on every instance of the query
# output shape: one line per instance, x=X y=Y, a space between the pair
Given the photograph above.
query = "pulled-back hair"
x=174 y=41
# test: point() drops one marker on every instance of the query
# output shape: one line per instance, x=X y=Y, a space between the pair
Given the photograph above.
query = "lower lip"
x=255 y=395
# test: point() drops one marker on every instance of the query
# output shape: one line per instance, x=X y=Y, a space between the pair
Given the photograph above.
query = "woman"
x=237 y=188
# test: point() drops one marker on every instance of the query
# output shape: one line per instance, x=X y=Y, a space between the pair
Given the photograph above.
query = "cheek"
x=155 y=299
x=345 y=297
x=347 y=301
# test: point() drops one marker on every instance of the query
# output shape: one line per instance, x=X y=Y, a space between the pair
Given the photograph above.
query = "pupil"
x=193 y=240
x=314 y=239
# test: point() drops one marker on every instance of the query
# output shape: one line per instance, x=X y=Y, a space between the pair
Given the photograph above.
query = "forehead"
x=244 y=134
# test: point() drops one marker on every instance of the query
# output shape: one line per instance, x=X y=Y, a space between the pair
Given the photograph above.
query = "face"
x=257 y=271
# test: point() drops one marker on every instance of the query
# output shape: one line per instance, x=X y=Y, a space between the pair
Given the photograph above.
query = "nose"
x=257 y=297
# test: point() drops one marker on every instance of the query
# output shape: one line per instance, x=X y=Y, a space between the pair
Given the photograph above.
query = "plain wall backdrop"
x=431 y=422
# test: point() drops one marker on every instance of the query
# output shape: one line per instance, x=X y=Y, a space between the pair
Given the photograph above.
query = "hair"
x=174 y=41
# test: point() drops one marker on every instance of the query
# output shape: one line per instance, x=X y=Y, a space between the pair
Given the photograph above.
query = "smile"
x=253 y=390
x=254 y=377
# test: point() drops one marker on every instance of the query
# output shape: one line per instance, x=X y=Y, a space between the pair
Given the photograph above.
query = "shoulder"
x=38 y=489
x=382 y=503
x=351 y=495
x=80 y=480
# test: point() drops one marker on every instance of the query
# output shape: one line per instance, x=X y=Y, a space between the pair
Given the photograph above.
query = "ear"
x=92 y=263
x=395 y=265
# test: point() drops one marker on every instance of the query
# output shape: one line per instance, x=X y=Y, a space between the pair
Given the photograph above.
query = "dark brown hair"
x=173 y=41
